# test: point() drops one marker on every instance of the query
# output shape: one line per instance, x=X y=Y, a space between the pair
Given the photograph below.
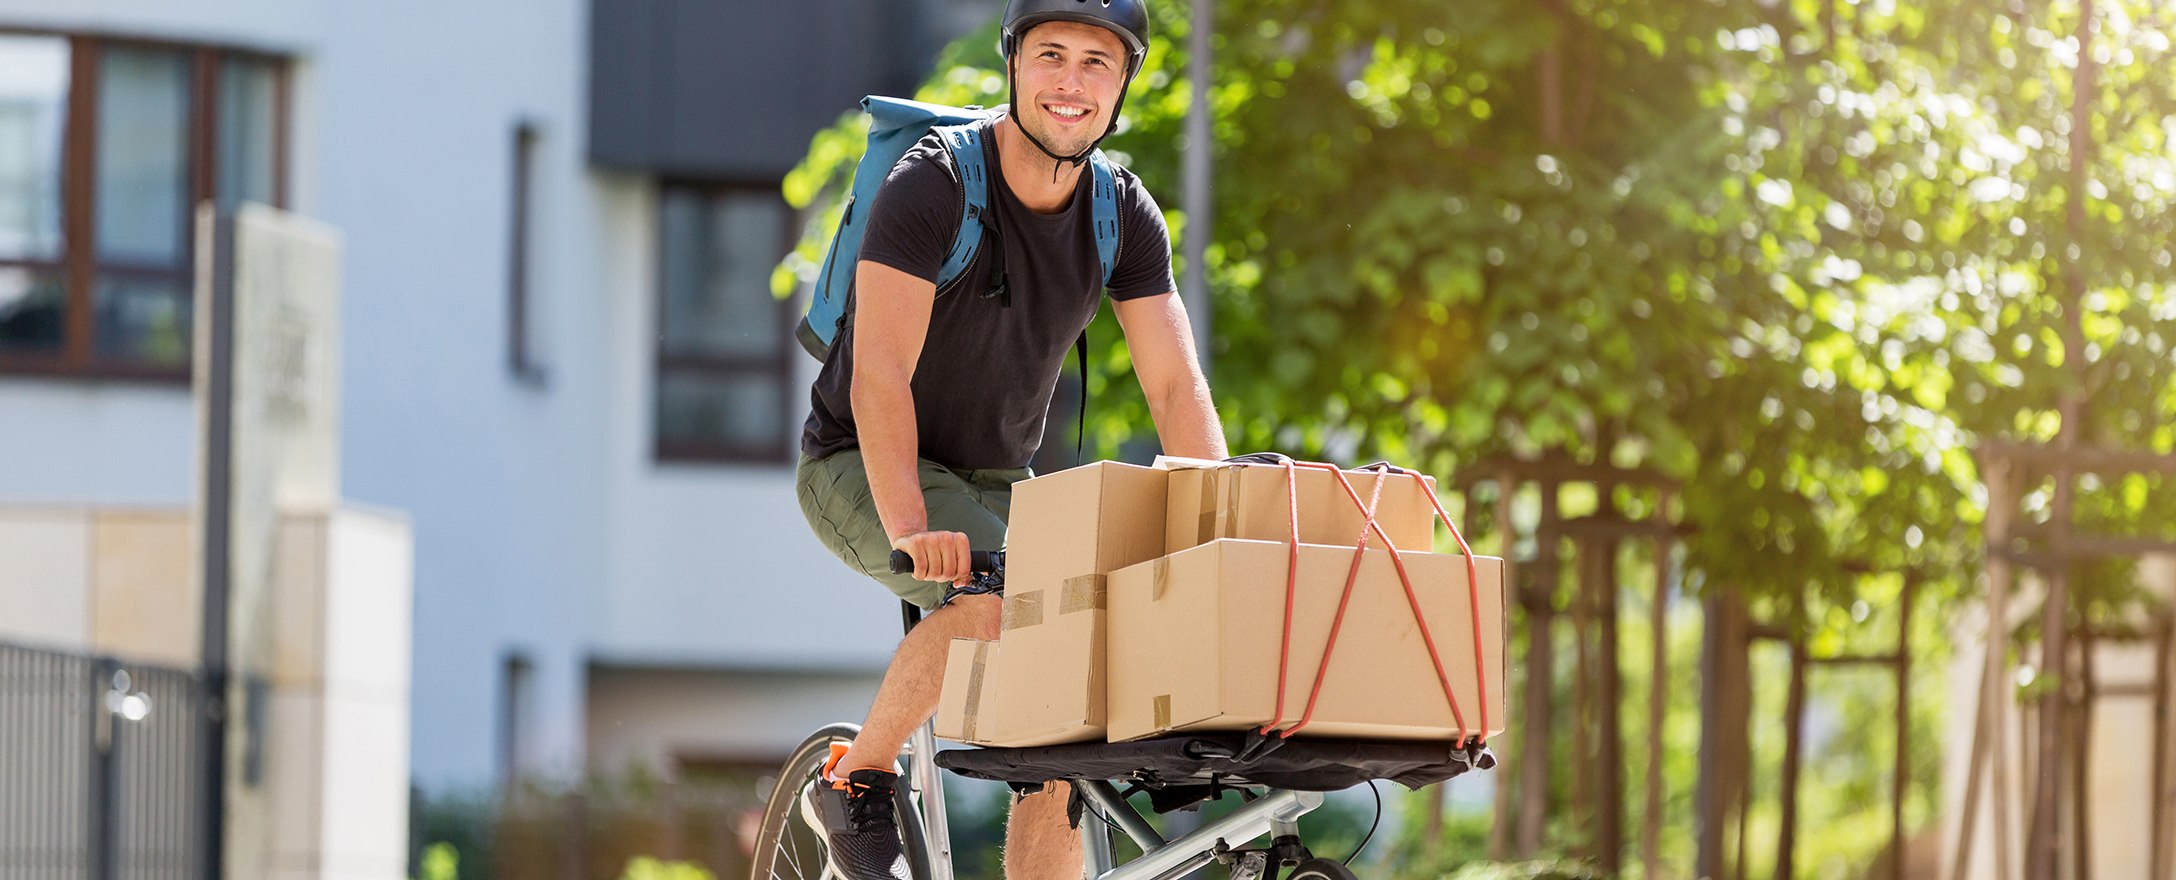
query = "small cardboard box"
x=964 y=704
x=1210 y=500
x=1195 y=642
x=1093 y=519
x=1051 y=689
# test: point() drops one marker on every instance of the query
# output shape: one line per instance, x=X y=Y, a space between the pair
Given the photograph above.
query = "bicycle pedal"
x=1251 y=866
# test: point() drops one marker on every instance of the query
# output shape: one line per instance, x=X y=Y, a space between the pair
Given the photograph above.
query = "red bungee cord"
x=1368 y=526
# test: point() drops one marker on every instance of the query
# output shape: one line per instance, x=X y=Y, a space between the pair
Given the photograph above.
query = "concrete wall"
x=331 y=795
x=110 y=581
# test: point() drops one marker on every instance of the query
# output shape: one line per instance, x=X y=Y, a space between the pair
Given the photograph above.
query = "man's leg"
x=908 y=695
x=835 y=498
x=856 y=812
x=1040 y=844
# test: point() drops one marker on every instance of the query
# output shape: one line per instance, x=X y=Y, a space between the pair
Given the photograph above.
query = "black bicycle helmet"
x=1126 y=18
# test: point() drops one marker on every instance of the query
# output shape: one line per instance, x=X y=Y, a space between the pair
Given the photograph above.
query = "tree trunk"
x=1658 y=665
x=1502 y=822
x=2164 y=788
x=1794 y=729
x=1582 y=806
x=1540 y=601
x=2044 y=848
x=1609 y=720
x=1722 y=729
x=2081 y=759
x=1901 y=781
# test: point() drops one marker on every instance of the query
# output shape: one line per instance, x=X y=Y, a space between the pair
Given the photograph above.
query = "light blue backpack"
x=895 y=125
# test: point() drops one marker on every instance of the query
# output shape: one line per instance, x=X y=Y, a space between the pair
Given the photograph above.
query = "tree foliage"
x=1798 y=256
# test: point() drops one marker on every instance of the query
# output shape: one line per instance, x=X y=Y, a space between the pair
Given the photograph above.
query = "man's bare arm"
x=1162 y=345
x=891 y=321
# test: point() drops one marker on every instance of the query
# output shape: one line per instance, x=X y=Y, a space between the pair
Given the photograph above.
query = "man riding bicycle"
x=947 y=392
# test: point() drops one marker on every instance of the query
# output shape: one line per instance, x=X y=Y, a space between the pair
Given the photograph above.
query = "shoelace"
x=869 y=804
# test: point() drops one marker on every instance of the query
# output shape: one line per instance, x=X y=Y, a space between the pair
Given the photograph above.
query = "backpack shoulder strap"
x=964 y=142
x=1104 y=190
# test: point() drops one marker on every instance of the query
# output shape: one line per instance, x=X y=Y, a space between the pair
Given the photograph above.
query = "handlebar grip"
x=978 y=561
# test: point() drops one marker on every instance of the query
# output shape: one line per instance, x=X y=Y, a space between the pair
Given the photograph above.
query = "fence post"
x=103 y=791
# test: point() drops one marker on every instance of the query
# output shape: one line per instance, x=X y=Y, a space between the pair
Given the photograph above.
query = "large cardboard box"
x=1093 y=519
x=964 y=707
x=1211 y=500
x=1195 y=638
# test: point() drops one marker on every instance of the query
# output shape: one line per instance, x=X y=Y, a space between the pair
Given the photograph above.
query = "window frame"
x=779 y=450
x=79 y=265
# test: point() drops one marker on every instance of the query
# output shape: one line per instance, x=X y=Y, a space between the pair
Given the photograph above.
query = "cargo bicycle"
x=1277 y=780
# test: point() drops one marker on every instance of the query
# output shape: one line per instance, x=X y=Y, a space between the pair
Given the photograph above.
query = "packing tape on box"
x=1023 y=610
x=974 y=690
x=1083 y=593
x=1159 y=578
x=1162 y=711
x=1205 y=525
x=1230 y=479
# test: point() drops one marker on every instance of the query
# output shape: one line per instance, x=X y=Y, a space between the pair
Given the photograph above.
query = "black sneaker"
x=859 y=822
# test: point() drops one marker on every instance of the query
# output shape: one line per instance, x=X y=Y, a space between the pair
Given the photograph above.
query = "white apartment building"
x=562 y=362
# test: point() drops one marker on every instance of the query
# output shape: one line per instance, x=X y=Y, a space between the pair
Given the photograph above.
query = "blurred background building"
x=562 y=361
x=1641 y=252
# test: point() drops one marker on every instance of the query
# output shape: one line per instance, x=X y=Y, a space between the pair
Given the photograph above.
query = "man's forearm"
x=884 y=423
x=1186 y=422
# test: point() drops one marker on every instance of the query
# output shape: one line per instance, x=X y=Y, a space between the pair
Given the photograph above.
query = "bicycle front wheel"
x=790 y=845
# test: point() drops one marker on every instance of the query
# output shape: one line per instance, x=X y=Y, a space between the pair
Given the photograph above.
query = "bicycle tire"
x=1321 y=869
x=788 y=848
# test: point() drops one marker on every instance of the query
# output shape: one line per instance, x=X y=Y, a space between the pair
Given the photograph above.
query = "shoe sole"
x=810 y=815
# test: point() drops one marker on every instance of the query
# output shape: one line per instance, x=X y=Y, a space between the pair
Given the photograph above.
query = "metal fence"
x=101 y=768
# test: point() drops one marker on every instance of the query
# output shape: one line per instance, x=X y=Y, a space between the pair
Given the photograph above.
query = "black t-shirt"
x=988 y=367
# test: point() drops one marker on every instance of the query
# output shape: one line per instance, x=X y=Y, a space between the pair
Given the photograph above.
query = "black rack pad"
x=1296 y=764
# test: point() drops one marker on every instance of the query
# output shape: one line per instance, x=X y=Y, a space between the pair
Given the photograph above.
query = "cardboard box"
x=1068 y=531
x=1051 y=687
x=964 y=703
x=1195 y=643
x=1093 y=519
x=1211 y=500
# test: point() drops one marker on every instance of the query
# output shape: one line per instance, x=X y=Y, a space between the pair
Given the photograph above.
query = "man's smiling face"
x=1068 y=78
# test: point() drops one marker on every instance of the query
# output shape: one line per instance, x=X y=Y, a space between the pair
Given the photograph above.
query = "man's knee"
x=974 y=617
x=1051 y=801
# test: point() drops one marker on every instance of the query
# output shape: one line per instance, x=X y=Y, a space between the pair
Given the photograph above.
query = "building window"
x=517 y=697
x=725 y=349
x=521 y=314
x=106 y=146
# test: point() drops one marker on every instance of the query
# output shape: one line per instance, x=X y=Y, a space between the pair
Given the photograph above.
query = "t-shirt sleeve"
x=915 y=215
x=1144 y=244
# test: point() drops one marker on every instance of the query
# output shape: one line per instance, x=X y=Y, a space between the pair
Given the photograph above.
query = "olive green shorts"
x=834 y=492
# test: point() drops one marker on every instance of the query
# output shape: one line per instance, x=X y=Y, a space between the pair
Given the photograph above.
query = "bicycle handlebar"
x=978 y=561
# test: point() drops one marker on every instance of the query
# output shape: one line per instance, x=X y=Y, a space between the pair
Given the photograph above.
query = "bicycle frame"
x=1276 y=813
x=922 y=748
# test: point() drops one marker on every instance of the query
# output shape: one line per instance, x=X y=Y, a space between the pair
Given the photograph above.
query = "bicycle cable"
x=1090 y=806
x=1371 y=823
